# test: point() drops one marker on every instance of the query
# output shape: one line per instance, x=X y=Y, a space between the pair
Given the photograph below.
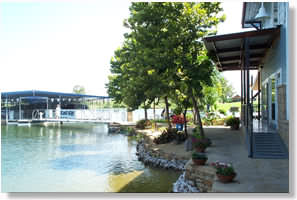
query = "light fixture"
x=262 y=14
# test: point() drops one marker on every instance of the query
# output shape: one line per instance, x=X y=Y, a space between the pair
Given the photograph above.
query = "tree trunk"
x=167 y=112
x=194 y=116
x=196 y=108
x=185 y=117
x=155 y=123
x=145 y=112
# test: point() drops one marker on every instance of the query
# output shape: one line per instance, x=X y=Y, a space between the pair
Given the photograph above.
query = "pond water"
x=75 y=158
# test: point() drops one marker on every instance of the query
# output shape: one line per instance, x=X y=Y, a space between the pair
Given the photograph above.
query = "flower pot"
x=200 y=150
x=179 y=127
x=199 y=161
x=226 y=178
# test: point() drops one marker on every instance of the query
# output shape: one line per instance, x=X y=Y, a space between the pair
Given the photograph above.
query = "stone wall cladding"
x=283 y=123
x=202 y=176
x=158 y=158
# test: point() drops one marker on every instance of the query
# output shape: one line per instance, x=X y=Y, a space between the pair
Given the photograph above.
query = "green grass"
x=226 y=106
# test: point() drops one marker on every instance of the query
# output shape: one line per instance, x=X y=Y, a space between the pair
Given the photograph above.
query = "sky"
x=54 y=46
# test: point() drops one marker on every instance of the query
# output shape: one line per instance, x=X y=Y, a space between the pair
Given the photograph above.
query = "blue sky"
x=55 y=45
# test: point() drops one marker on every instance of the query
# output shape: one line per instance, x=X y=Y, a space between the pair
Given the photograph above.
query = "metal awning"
x=32 y=93
x=228 y=49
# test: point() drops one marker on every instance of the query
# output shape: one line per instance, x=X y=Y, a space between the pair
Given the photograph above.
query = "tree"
x=227 y=90
x=79 y=89
x=165 y=54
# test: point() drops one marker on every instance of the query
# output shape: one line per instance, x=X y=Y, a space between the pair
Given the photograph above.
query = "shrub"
x=197 y=155
x=180 y=137
x=232 y=121
x=201 y=144
x=131 y=131
x=166 y=136
x=141 y=124
x=225 y=169
x=223 y=112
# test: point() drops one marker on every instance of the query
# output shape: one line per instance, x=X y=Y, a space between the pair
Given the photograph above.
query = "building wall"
x=283 y=123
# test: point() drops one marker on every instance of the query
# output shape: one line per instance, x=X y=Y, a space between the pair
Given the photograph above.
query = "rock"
x=188 y=144
x=152 y=159
x=183 y=185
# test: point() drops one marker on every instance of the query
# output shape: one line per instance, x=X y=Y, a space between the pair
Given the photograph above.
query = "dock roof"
x=38 y=93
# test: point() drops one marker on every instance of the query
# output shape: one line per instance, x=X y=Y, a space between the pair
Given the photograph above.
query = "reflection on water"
x=75 y=157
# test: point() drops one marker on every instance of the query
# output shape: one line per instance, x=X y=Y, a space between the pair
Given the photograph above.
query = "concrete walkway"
x=253 y=175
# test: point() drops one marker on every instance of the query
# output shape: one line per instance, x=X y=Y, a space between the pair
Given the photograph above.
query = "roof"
x=37 y=93
x=236 y=96
x=228 y=48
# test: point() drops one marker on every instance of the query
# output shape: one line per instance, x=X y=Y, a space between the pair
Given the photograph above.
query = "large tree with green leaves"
x=166 y=46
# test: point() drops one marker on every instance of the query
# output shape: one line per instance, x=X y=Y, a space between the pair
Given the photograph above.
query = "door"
x=275 y=81
x=265 y=96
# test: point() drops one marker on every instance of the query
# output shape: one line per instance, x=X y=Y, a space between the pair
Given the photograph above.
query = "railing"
x=104 y=114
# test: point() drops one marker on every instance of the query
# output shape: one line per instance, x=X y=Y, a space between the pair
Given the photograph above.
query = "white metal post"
x=20 y=109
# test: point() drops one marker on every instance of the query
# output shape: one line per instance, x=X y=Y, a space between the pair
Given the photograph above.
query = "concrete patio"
x=253 y=175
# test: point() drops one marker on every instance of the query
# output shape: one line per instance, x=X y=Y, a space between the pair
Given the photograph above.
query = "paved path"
x=253 y=175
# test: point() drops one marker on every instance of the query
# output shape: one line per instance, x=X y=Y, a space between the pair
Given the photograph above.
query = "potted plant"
x=199 y=158
x=233 y=122
x=179 y=121
x=196 y=137
x=200 y=146
x=225 y=171
x=180 y=137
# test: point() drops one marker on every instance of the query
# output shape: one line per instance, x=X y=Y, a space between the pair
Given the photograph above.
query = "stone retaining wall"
x=158 y=158
x=203 y=176
x=193 y=179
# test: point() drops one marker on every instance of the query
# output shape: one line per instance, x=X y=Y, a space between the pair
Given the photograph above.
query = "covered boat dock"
x=35 y=106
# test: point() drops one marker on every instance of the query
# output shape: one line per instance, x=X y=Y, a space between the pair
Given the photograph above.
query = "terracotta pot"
x=199 y=161
x=226 y=179
x=200 y=150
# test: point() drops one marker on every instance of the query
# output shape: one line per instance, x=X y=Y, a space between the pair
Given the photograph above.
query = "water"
x=75 y=158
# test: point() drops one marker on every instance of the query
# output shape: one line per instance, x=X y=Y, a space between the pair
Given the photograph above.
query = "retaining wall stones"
x=193 y=179
x=203 y=176
x=159 y=158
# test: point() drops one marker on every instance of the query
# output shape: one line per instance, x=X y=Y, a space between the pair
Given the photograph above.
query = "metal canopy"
x=37 y=93
x=229 y=48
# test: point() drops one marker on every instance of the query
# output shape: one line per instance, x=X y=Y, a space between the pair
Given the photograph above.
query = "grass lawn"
x=226 y=106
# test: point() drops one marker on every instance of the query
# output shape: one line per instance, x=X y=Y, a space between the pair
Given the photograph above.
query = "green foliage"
x=232 y=121
x=200 y=144
x=79 y=89
x=196 y=133
x=141 y=124
x=210 y=118
x=167 y=135
x=226 y=106
x=225 y=169
x=200 y=156
x=163 y=55
x=159 y=121
x=223 y=112
x=131 y=131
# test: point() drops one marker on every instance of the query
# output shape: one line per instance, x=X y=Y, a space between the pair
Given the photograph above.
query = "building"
x=265 y=50
x=34 y=104
x=236 y=98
